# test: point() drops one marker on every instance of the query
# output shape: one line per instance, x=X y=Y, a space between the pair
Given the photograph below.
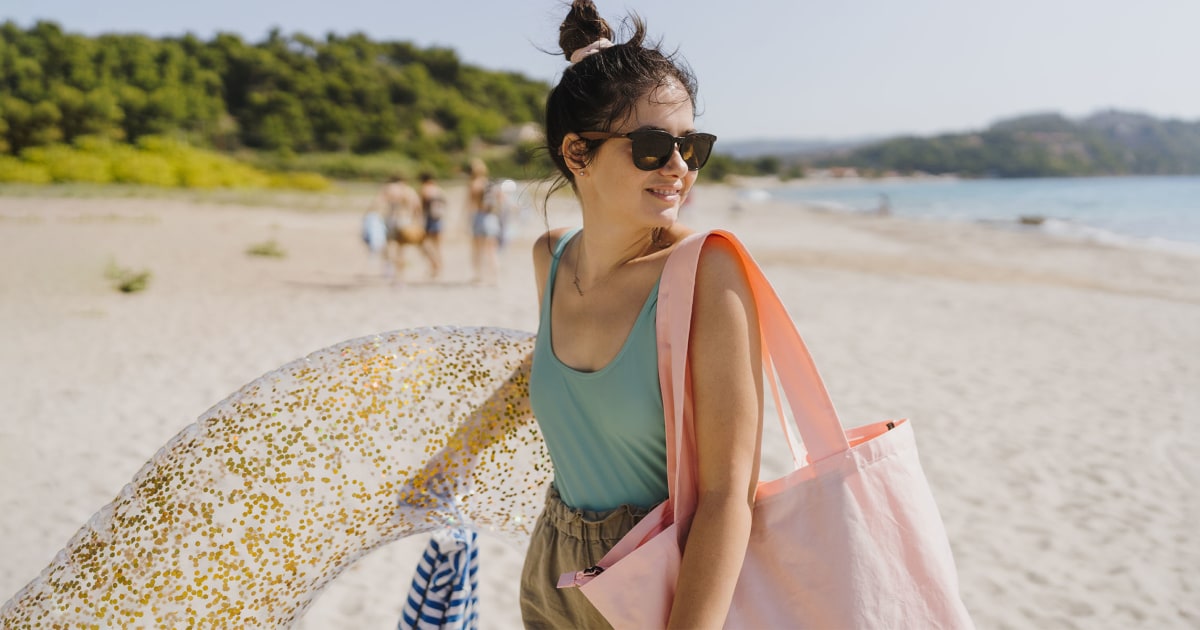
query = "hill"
x=1042 y=145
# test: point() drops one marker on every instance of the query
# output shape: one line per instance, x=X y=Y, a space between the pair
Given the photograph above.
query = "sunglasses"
x=652 y=148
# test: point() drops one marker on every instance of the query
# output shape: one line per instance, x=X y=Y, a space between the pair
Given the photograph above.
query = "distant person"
x=374 y=235
x=505 y=204
x=433 y=207
x=403 y=220
x=735 y=208
x=485 y=224
x=885 y=205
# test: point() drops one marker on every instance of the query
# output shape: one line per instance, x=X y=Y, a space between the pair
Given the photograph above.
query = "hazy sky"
x=776 y=69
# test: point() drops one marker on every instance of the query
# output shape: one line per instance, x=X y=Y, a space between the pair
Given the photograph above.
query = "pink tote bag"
x=851 y=538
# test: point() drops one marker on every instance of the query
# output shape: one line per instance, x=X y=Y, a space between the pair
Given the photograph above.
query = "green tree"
x=29 y=124
x=286 y=93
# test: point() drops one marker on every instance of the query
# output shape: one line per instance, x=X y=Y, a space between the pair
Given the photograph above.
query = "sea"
x=1155 y=212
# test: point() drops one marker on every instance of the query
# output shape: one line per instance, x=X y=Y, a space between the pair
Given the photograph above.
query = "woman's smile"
x=668 y=194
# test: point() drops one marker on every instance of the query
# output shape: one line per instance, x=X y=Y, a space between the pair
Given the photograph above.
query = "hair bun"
x=582 y=26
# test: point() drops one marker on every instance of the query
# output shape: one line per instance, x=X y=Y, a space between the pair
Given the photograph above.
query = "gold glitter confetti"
x=244 y=516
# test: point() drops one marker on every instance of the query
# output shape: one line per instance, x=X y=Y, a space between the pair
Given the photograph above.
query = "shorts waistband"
x=608 y=525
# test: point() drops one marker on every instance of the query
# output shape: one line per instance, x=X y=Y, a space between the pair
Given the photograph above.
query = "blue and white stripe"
x=444 y=592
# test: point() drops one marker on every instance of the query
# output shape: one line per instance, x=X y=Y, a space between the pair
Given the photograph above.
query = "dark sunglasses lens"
x=695 y=149
x=651 y=149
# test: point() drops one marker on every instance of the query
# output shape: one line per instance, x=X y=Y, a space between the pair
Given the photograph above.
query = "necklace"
x=654 y=243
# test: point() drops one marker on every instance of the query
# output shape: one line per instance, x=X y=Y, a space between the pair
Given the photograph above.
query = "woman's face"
x=622 y=192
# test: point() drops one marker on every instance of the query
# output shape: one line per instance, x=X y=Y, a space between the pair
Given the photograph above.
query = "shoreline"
x=350 y=196
x=1056 y=226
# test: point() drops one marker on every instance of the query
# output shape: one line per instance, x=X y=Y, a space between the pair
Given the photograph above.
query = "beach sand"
x=1053 y=385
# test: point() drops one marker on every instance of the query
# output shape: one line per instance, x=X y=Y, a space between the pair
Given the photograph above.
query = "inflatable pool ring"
x=243 y=517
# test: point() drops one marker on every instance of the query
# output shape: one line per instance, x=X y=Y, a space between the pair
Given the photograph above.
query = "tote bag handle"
x=812 y=410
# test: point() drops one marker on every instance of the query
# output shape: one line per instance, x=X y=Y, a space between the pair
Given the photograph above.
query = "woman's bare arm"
x=726 y=366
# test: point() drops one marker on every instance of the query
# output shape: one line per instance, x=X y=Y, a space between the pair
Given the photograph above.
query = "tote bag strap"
x=812 y=410
x=673 y=329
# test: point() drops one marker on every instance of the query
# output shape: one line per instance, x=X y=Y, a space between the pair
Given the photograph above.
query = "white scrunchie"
x=590 y=49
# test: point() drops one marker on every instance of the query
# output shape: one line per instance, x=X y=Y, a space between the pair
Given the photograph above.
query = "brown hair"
x=603 y=88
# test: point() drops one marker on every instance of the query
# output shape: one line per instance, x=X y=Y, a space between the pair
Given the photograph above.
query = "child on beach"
x=620 y=130
x=374 y=236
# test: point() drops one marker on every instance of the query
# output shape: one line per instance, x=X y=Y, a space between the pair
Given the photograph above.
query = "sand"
x=1052 y=383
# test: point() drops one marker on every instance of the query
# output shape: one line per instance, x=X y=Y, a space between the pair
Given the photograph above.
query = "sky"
x=774 y=69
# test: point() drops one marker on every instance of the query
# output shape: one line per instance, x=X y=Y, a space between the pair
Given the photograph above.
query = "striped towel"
x=444 y=592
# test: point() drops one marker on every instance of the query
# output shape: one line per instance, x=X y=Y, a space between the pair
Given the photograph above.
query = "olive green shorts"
x=566 y=540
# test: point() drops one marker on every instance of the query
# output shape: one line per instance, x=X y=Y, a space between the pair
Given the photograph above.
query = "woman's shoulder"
x=720 y=247
x=721 y=266
x=543 y=254
x=715 y=240
x=724 y=296
x=546 y=244
x=549 y=240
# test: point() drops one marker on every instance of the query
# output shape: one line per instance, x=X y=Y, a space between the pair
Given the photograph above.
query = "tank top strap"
x=559 y=248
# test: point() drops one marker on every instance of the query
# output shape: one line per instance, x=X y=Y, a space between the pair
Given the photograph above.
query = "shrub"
x=195 y=173
x=127 y=280
x=96 y=144
x=155 y=161
x=69 y=165
x=203 y=169
x=267 y=249
x=137 y=167
x=13 y=170
x=300 y=181
x=373 y=167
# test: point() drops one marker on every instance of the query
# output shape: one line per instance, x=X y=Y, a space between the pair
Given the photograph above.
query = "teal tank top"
x=604 y=429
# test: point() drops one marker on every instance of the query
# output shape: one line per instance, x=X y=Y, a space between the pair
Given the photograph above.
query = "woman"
x=485 y=224
x=402 y=218
x=433 y=207
x=619 y=128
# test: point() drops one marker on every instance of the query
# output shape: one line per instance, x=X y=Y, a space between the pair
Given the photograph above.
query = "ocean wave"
x=1076 y=231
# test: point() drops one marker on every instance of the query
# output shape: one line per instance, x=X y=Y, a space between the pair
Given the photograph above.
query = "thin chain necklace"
x=655 y=235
